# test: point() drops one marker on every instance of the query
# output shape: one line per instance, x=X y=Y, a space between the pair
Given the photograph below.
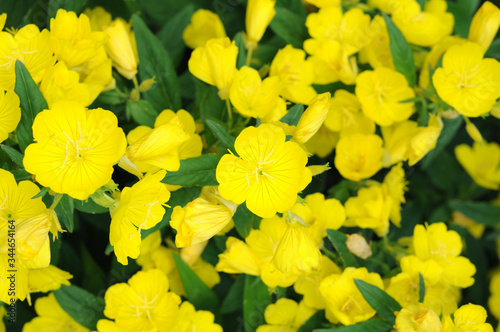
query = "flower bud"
x=484 y=26
x=258 y=17
x=204 y=26
x=120 y=50
x=313 y=118
x=473 y=132
x=358 y=246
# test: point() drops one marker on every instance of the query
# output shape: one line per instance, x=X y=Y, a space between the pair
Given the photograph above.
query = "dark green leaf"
x=89 y=206
x=199 y=294
x=21 y=174
x=209 y=102
x=379 y=300
x=494 y=50
x=197 y=171
x=401 y=52
x=289 y=26
x=373 y=325
x=242 y=52
x=233 y=301
x=421 y=3
x=338 y=240
x=142 y=112
x=15 y=155
x=483 y=213
x=463 y=10
x=32 y=103
x=64 y=211
x=221 y=133
x=94 y=278
x=69 y=5
x=16 y=9
x=244 y=220
x=421 y=288
x=450 y=129
x=256 y=298
x=154 y=61
x=84 y=307
x=171 y=33
x=293 y=116
x=313 y=322
x=112 y=97
x=41 y=193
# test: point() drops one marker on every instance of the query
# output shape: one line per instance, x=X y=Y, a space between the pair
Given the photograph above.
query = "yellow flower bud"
x=319 y=169
x=313 y=118
x=3 y=18
x=204 y=26
x=484 y=26
x=120 y=50
x=147 y=84
x=473 y=132
x=215 y=64
x=258 y=17
x=358 y=246
x=419 y=318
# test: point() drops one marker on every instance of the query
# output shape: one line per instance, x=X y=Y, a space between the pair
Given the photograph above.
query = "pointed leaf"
x=221 y=134
x=338 y=240
x=242 y=52
x=15 y=155
x=481 y=212
x=197 y=171
x=293 y=116
x=64 y=211
x=244 y=220
x=421 y=288
x=379 y=300
x=41 y=193
x=289 y=26
x=232 y=302
x=256 y=298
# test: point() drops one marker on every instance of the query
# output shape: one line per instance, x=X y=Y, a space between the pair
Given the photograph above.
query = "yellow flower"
x=75 y=149
x=285 y=315
x=485 y=24
x=381 y=92
x=188 y=320
x=417 y=318
x=322 y=143
x=359 y=156
x=313 y=117
x=215 y=64
x=258 y=17
x=396 y=187
x=30 y=46
x=387 y=6
x=52 y=317
x=72 y=39
x=142 y=304
x=296 y=74
x=204 y=26
x=99 y=18
x=3 y=18
x=494 y=299
x=467 y=82
x=423 y=28
x=120 y=49
x=378 y=53
x=344 y=302
x=469 y=317
x=482 y=163
x=370 y=209
x=253 y=97
x=324 y=3
x=140 y=207
x=296 y=252
x=10 y=113
x=238 y=258
x=268 y=173
x=424 y=139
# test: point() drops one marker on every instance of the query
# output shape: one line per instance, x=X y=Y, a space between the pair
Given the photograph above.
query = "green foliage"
x=197 y=171
x=379 y=300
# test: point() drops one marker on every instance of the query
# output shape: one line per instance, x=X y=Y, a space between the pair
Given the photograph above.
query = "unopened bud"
x=473 y=132
x=134 y=95
x=318 y=169
x=358 y=246
x=147 y=84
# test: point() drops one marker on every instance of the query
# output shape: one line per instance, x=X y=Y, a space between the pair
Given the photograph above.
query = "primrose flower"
x=467 y=82
x=140 y=207
x=258 y=17
x=215 y=64
x=312 y=118
x=238 y=258
x=99 y=18
x=469 y=317
x=378 y=52
x=120 y=49
x=417 y=317
x=75 y=149
x=484 y=25
x=10 y=113
x=482 y=163
x=268 y=173
x=189 y=319
x=204 y=25
x=285 y=315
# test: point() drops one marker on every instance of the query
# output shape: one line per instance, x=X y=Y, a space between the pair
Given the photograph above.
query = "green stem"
x=56 y=201
x=249 y=56
x=229 y=114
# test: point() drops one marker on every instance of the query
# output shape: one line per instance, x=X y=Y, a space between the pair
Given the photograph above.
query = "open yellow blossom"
x=268 y=173
x=189 y=320
x=75 y=149
x=378 y=52
x=142 y=304
x=322 y=143
x=285 y=315
x=484 y=25
x=238 y=258
x=10 y=113
x=140 y=207
x=469 y=317
x=482 y=163
x=120 y=49
x=296 y=74
x=254 y=97
x=258 y=17
x=72 y=38
x=468 y=82
x=344 y=302
x=215 y=64
x=52 y=316
x=417 y=318
x=381 y=92
x=204 y=26
x=312 y=118
x=99 y=18
x=359 y=156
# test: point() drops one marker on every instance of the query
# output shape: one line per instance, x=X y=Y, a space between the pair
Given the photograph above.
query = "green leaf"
x=142 y=112
x=84 y=307
x=89 y=206
x=199 y=294
x=373 y=325
x=256 y=297
x=242 y=52
x=232 y=302
x=197 y=171
x=483 y=213
x=421 y=288
x=171 y=33
x=379 y=300
x=16 y=10
x=401 y=52
x=289 y=26
x=338 y=240
x=293 y=116
x=14 y=155
x=421 y=3
x=494 y=49
x=69 y=5
x=244 y=220
x=64 y=211
x=41 y=193
x=154 y=61
x=313 y=322
x=112 y=97
x=32 y=103
x=450 y=129
x=221 y=133
x=208 y=101
x=463 y=11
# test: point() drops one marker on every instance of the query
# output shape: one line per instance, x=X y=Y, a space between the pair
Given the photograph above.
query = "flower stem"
x=229 y=114
x=56 y=201
x=249 y=56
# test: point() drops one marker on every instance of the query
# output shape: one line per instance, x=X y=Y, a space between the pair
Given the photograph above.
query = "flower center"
x=260 y=169
x=74 y=150
x=466 y=76
x=144 y=307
